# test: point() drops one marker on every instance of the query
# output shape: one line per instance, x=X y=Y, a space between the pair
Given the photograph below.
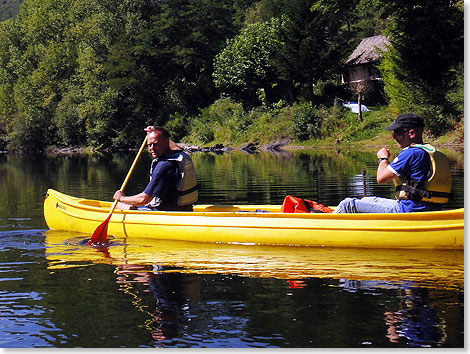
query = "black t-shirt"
x=165 y=178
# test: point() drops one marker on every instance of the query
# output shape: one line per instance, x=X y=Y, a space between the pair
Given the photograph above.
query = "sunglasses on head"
x=400 y=131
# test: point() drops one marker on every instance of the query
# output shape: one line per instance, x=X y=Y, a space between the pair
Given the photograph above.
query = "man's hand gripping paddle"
x=101 y=232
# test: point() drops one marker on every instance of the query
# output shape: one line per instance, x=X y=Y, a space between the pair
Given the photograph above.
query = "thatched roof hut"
x=368 y=51
x=360 y=71
x=360 y=64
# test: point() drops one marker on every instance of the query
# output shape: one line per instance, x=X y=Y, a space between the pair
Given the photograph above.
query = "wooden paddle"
x=101 y=232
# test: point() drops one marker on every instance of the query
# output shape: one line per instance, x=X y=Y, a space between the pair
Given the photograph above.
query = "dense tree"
x=95 y=72
x=315 y=42
x=7 y=79
x=252 y=61
x=427 y=52
x=9 y=8
x=112 y=70
x=39 y=62
x=185 y=37
x=92 y=72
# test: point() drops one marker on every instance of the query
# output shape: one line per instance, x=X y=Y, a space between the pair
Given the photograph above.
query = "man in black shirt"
x=172 y=185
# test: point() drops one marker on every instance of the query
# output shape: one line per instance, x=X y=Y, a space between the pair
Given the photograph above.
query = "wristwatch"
x=383 y=158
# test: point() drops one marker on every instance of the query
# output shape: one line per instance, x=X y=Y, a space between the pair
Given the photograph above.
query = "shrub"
x=305 y=122
x=436 y=121
x=455 y=95
x=202 y=130
x=398 y=91
x=177 y=126
x=332 y=119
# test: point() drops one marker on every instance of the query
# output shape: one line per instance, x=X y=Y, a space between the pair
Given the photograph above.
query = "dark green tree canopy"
x=94 y=73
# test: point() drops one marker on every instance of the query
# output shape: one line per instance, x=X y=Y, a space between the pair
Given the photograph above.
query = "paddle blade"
x=101 y=232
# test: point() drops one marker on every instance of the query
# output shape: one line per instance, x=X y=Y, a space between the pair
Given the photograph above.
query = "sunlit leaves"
x=251 y=59
x=94 y=72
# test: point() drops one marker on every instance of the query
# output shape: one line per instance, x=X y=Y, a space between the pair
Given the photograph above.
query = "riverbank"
x=456 y=145
x=454 y=140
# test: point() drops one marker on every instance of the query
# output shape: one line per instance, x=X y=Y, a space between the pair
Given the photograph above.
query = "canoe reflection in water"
x=210 y=291
x=172 y=292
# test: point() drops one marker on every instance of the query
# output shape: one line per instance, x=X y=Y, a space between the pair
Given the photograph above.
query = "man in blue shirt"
x=172 y=185
x=412 y=162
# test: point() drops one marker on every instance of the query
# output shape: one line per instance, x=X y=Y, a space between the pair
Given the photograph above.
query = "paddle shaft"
x=128 y=175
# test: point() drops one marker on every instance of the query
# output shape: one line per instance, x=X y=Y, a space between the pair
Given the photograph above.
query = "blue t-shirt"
x=413 y=162
x=163 y=181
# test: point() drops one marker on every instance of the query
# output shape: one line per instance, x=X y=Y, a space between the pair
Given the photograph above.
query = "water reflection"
x=415 y=318
x=173 y=293
x=412 y=315
x=323 y=175
x=57 y=292
x=435 y=268
x=170 y=272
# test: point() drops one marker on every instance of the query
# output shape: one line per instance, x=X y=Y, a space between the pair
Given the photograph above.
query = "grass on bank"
x=226 y=122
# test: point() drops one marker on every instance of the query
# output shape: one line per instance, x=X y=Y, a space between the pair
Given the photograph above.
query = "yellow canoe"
x=262 y=225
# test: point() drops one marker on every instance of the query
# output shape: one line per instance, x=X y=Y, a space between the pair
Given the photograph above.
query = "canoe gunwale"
x=430 y=215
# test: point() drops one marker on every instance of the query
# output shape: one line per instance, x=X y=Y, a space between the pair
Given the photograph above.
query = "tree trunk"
x=269 y=94
x=309 y=91
x=359 y=114
x=288 y=91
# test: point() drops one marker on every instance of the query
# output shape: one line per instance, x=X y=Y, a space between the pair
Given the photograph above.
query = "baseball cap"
x=409 y=120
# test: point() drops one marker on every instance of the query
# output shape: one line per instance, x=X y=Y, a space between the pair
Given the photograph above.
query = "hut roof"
x=367 y=52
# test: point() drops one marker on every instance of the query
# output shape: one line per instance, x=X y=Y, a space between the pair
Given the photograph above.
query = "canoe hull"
x=242 y=224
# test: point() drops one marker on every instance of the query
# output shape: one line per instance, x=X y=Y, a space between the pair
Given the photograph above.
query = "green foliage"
x=227 y=122
x=9 y=8
x=183 y=38
x=177 y=126
x=436 y=120
x=70 y=124
x=455 y=95
x=315 y=45
x=271 y=125
x=373 y=125
x=251 y=60
x=399 y=92
x=306 y=124
x=96 y=72
x=202 y=128
x=333 y=120
x=223 y=121
x=425 y=66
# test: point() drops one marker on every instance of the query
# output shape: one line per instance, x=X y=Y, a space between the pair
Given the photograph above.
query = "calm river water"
x=58 y=292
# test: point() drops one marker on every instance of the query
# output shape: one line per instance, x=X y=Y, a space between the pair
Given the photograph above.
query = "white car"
x=354 y=107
